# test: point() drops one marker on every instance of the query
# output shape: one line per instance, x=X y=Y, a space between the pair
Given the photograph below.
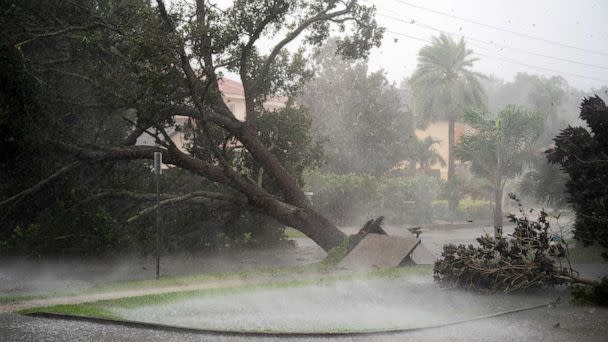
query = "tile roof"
x=228 y=86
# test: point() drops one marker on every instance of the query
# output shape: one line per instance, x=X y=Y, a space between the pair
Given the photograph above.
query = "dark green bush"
x=582 y=153
x=63 y=230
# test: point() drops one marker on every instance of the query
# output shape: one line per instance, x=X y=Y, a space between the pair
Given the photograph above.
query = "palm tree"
x=426 y=155
x=443 y=87
x=500 y=148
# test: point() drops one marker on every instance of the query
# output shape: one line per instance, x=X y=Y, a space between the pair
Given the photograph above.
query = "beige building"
x=234 y=97
x=438 y=130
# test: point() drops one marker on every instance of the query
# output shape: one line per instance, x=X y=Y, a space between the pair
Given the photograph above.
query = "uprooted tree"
x=134 y=66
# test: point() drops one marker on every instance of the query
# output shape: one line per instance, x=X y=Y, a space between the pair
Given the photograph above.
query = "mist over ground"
x=209 y=164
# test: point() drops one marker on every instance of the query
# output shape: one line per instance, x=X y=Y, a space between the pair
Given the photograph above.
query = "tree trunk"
x=498 y=193
x=293 y=212
x=498 y=219
x=451 y=142
x=452 y=200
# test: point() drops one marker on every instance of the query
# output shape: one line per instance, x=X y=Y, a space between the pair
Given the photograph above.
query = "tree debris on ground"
x=533 y=256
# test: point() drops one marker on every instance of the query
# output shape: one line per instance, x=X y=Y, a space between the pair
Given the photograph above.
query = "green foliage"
x=514 y=131
x=499 y=148
x=291 y=233
x=467 y=210
x=552 y=97
x=525 y=259
x=350 y=198
x=452 y=191
x=87 y=73
x=426 y=155
x=443 y=86
x=544 y=182
x=83 y=310
x=68 y=231
x=359 y=115
x=583 y=154
x=287 y=133
x=336 y=254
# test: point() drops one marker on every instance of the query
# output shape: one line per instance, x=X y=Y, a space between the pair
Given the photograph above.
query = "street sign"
x=158 y=160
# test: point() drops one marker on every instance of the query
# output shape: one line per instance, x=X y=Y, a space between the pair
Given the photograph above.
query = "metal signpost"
x=158 y=160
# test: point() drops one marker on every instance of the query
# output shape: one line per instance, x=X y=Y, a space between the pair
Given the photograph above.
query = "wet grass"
x=324 y=267
x=291 y=233
x=170 y=282
x=101 y=309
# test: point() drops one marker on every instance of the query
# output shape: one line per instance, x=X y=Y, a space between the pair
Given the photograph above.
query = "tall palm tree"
x=444 y=86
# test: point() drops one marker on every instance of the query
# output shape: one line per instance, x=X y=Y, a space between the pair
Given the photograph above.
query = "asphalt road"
x=576 y=323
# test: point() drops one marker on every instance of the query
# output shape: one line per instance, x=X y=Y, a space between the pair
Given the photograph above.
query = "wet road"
x=576 y=324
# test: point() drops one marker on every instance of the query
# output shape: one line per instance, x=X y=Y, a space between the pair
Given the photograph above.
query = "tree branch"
x=192 y=81
x=202 y=197
x=64 y=171
x=324 y=15
x=57 y=33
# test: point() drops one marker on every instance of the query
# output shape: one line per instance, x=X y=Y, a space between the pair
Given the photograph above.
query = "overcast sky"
x=581 y=24
x=541 y=31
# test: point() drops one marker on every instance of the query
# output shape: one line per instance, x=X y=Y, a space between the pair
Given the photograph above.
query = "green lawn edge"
x=100 y=309
x=166 y=281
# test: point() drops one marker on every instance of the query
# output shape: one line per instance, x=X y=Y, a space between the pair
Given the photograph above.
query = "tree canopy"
x=94 y=75
x=499 y=147
x=582 y=152
x=359 y=114
x=443 y=85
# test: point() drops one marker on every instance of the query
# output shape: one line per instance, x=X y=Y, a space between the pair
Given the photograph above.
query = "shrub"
x=581 y=153
x=467 y=210
x=351 y=199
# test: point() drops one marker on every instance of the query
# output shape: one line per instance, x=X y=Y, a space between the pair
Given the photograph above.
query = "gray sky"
x=579 y=23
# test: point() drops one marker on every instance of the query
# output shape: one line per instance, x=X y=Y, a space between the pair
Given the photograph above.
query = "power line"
x=508 y=60
x=501 y=28
x=514 y=61
x=408 y=36
x=420 y=24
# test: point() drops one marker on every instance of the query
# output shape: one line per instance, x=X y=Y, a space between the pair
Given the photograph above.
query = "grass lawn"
x=291 y=233
x=165 y=281
x=101 y=309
